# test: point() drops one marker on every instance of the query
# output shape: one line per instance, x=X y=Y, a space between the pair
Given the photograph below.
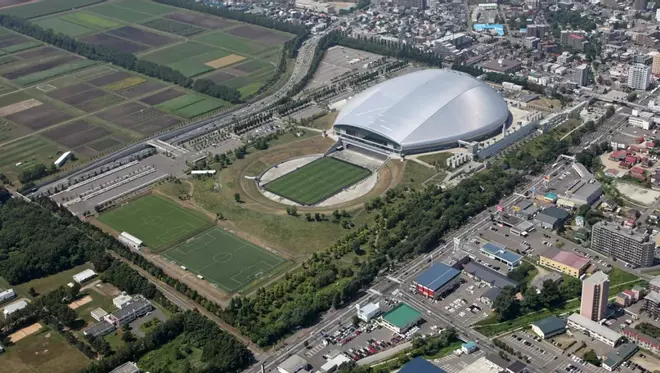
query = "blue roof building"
x=420 y=365
x=437 y=279
x=469 y=347
x=501 y=253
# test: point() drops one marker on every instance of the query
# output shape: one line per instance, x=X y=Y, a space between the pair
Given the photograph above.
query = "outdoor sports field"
x=156 y=221
x=317 y=181
x=224 y=259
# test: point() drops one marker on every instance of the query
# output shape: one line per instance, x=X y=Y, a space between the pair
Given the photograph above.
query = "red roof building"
x=624 y=164
x=638 y=176
x=618 y=155
x=637 y=170
x=630 y=159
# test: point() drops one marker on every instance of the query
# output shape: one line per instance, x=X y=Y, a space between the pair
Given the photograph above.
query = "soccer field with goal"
x=317 y=181
x=156 y=220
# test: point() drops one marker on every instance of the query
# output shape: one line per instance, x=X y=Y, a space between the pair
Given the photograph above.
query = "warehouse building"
x=552 y=217
x=564 y=261
x=437 y=280
x=401 y=318
x=549 y=327
x=594 y=329
x=488 y=276
x=84 y=276
x=420 y=365
x=500 y=253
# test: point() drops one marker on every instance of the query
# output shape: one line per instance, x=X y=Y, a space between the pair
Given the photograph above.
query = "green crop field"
x=62 y=26
x=317 y=180
x=89 y=20
x=119 y=13
x=180 y=102
x=56 y=71
x=224 y=259
x=21 y=47
x=43 y=8
x=196 y=65
x=234 y=43
x=146 y=7
x=28 y=151
x=201 y=107
x=174 y=53
x=155 y=220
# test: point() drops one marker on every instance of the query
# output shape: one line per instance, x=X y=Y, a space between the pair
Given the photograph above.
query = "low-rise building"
x=549 y=327
x=594 y=329
x=487 y=275
x=335 y=363
x=100 y=329
x=129 y=367
x=564 y=261
x=84 y=276
x=368 y=312
x=293 y=364
x=7 y=295
x=98 y=314
x=643 y=340
x=652 y=304
x=615 y=358
x=130 y=240
x=11 y=308
x=501 y=254
x=517 y=367
x=420 y=365
x=137 y=307
x=489 y=296
x=120 y=300
x=469 y=347
x=401 y=318
x=437 y=280
x=552 y=217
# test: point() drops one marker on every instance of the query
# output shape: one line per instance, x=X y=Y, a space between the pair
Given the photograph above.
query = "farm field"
x=243 y=56
x=52 y=101
x=224 y=259
x=317 y=180
x=45 y=351
x=155 y=220
x=42 y=8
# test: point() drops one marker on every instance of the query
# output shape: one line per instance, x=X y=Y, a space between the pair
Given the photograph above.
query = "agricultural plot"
x=76 y=23
x=317 y=180
x=141 y=36
x=114 y=42
x=191 y=105
x=222 y=39
x=260 y=34
x=27 y=152
x=173 y=27
x=156 y=220
x=43 y=8
x=201 y=20
x=138 y=118
x=224 y=259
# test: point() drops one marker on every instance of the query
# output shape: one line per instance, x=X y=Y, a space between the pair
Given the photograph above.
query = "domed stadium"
x=422 y=111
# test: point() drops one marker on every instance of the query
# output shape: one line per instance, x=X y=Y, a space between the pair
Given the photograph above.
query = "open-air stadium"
x=156 y=221
x=316 y=181
x=224 y=259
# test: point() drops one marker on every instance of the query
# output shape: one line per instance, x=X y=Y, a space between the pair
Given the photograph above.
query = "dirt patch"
x=80 y=302
x=224 y=61
x=39 y=67
x=28 y=330
x=40 y=117
x=62 y=93
x=141 y=36
x=75 y=134
x=114 y=42
x=81 y=97
x=12 y=39
x=208 y=22
x=255 y=33
x=39 y=52
x=110 y=78
x=140 y=90
x=138 y=117
x=162 y=96
x=18 y=107
x=220 y=77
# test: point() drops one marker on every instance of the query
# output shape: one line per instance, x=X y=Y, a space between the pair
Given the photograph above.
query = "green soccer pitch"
x=224 y=259
x=156 y=220
x=317 y=181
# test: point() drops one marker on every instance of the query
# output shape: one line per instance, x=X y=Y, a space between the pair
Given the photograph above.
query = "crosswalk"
x=315 y=350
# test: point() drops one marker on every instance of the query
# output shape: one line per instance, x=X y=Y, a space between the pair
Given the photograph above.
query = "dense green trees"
x=553 y=295
x=33 y=244
x=122 y=59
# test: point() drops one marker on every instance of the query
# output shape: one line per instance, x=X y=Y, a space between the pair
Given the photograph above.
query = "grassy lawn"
x=618 y=276
x=317 y=181
x=325 y=122
x=415 y=174
x=47 y=284
x=156 y=220
x=438 y=160
x=45 y=351
x=114 y=339
x=98 y=301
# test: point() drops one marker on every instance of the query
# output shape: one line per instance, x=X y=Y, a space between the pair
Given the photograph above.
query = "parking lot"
x=454 y=364
x=532 y=347
x=339 y=61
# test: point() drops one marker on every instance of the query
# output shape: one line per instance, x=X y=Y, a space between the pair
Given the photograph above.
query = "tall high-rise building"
x=573 y=39
x=655 y=67
x=639 y=76
x=536 y=30
x=581 y=75
x=595 y=290
x=627 y=245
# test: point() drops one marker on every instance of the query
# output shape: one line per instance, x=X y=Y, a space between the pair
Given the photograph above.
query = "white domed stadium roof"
x=426 y=108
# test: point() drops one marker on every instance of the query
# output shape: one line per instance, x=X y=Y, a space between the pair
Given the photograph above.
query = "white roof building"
x=368 y=312
x=293 y=364
x=202 y=172
x=121 y=300
x=98 y=313
x=597 y=331
x=84 y=276
x=129 y=367
x=14 y=307
x=130 y=240
x=334 y=363
x=7 y=294
x=60 y=161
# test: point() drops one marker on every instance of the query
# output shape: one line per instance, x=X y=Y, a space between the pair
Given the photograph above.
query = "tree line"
x=122 y=59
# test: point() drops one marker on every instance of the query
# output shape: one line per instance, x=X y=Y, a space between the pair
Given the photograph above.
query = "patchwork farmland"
x=228 y=52
x=52 y=101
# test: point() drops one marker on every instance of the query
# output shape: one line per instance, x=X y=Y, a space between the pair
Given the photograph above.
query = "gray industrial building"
x=422 y=111
x=625 y=244
x=552 y=217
